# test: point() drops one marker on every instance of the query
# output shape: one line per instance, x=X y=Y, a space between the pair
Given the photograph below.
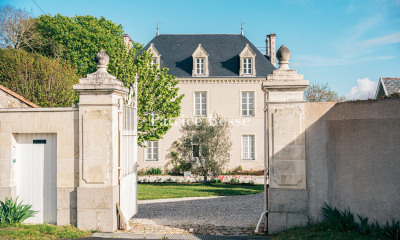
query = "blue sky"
x=346 y=43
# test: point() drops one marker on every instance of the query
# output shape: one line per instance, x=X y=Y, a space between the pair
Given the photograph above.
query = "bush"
x=12 y=212
x=216 y=180
x=154 y=171
x=344 y=222
x=44 y=81
x=179 y=165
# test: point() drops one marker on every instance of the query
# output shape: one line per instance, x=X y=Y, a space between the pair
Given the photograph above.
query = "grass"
x=319 y=231
x=180 y=190
x=40 y=231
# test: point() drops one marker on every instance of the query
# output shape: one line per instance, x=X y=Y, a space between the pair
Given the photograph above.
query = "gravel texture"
x=234 y=211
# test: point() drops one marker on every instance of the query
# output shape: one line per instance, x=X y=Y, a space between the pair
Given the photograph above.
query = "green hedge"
x=46 y=82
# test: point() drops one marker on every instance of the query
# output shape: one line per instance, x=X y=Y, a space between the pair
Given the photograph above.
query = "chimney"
x=128 y=41
x=271 y=53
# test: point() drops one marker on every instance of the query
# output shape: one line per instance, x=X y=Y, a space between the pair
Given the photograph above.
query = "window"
x=200 y=103
x=153 y=61
x=199 y=65
x=247 y=103
x=248 y=147
x=247 y=66
x=152 y=151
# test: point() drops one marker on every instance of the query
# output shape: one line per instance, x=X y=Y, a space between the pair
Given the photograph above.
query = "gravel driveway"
x=233 y=211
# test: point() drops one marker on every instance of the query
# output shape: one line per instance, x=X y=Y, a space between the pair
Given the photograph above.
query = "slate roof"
x=392 y=85
x=176 y=54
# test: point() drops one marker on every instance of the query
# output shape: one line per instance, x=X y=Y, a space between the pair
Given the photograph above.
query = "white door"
x=37 y=175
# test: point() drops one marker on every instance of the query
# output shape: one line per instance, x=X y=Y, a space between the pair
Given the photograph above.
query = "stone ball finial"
x=283 y=55
x=102 y=59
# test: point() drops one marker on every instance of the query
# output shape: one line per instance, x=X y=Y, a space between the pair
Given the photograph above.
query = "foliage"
x=344 y=222
x=237 y=170
x=180 y=190
x=78 y=39
x=13 y=212
x=46 y=82
x=205 y=143
x=179 y=165
x=216 y=180
x=154 y=171
x=17 y=28
x=318 y=92
x=40 y=231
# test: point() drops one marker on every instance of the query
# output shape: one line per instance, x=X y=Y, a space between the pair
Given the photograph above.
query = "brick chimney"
x=271 y=53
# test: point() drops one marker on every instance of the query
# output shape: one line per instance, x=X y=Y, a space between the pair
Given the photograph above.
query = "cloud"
x=388 y=39
x=365 y=89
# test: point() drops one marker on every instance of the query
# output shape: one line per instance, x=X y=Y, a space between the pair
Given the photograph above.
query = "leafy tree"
x=78 y=39
x=17 y=28
x=318 y=92
x=205 y=143
x=46 y=82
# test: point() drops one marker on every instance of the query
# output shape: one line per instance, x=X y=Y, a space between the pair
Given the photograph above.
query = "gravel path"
x=233 y=211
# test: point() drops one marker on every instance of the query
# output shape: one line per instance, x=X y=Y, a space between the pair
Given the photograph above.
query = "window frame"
x=194 y=104
x=200 y=65
x=246 y=69
x=241 y=103
x=152 y=147
x=242 y=157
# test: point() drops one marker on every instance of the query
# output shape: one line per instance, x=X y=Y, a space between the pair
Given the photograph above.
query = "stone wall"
x=353 y=158
x=64 y=123
x=8 y=101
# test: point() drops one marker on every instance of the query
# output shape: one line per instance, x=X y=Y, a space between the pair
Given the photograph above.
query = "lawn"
x=319 y=231
x=41 y=231
x=179 y=190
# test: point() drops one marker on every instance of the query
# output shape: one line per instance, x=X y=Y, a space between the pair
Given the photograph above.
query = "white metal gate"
x=128 y=163
x=36 y=169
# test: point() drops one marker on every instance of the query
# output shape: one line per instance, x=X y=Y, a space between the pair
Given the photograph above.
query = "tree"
x=17 y=28
x=205 y=143
x=46 y=82
x=318 y=92
x=78 y=39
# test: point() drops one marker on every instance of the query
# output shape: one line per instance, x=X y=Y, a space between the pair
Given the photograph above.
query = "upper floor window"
x=152 y=151
x=247 y=66
x=200 y=103
x=200 y=66
x=247 y=103
x=200 y=62
x=247 y=62
x=156 y=57
x=248 y=147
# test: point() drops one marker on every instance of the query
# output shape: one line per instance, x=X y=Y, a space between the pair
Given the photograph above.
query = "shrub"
x=12 y=212
x=154 y=171
x=179 y=165
x=45 y=81
x=216 y=180
x=341 y=221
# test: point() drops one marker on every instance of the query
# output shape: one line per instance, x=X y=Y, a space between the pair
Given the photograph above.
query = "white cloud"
x=365 y=89
x=388 y=39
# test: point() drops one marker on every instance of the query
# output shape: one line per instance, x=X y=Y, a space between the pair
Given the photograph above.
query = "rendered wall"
x=64 y=123
x=8 y=101
x=353 y=158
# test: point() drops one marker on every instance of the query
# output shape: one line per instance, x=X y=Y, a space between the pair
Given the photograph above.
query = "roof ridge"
x=389 y=78
x=17 y=96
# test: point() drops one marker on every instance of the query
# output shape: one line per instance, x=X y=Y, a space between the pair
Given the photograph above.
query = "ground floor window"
x=152 y=151
x=248 y=147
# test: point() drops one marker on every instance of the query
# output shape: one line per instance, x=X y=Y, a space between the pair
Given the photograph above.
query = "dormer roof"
x=223 y=54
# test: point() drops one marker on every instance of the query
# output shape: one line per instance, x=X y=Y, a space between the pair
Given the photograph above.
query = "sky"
x=348 y=44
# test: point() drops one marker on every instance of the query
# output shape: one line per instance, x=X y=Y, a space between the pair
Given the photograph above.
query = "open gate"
x=128 y=163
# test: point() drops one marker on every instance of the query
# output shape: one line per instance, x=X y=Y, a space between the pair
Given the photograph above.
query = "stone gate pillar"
x=287 y=193
x=101 y=98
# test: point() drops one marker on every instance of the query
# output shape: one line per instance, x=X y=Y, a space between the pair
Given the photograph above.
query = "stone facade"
x=10 y=99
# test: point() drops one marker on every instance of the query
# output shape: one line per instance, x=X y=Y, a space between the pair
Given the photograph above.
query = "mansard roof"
x=224 y=61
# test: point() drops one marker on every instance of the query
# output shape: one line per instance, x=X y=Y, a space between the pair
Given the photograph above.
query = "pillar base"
x=97 y=208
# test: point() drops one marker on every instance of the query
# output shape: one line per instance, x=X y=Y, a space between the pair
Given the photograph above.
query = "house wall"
x=353 y=158
x=8 y=101
x=64 y=123
x=223 y=98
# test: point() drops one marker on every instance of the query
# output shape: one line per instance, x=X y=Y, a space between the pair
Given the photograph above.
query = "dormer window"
x=156 y=56
x=200 y=66
x=247 y=66
x=200 y=62
x=247 y=60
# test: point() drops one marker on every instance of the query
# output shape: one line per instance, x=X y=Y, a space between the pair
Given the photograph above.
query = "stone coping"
x=71 y=109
